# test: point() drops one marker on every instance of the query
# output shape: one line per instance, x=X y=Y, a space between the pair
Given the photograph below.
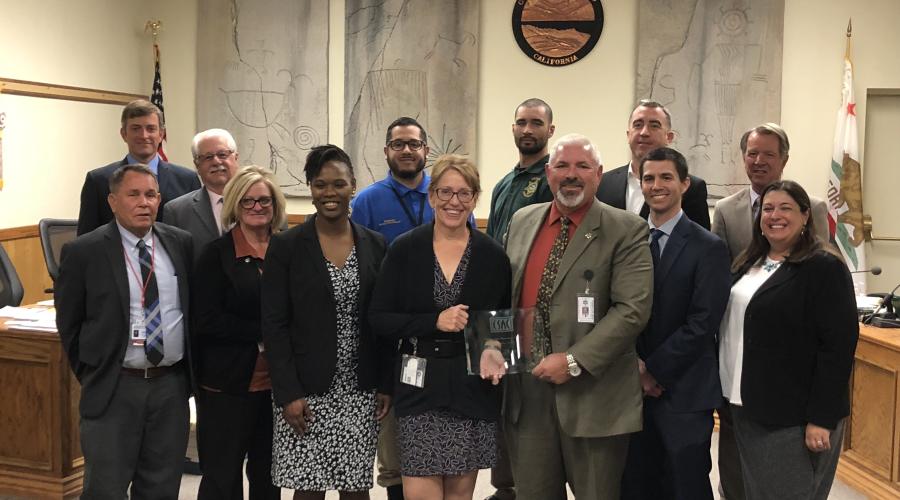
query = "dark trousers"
x=731 y=478
x=776 y=463
x=139 y=440
x=235 y=426
x=669 y=458
x=501 y=474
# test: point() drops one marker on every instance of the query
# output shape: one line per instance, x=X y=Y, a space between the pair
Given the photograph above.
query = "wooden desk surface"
x=885 y=337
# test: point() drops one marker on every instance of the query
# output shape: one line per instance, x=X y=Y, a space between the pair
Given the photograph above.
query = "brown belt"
x=152 y=372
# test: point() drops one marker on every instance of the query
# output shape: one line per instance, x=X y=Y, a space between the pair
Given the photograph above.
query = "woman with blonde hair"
x=233 y=375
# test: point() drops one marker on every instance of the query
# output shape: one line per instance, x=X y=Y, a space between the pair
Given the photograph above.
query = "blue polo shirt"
x=378 y=207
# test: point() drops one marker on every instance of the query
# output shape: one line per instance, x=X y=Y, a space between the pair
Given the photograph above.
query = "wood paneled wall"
x=23 y=244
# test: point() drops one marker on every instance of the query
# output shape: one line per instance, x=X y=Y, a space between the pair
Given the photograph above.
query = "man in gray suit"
x=199 y=212
x=586 y=269
x=765 y=151
x=122 y=316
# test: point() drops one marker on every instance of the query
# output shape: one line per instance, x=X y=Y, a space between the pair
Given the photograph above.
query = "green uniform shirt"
x=517 y=189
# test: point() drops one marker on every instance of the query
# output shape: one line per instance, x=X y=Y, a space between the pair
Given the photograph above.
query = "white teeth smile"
x=330 y=204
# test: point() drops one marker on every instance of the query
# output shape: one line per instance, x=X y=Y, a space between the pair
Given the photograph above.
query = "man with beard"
x=586 y=269
x=649 y=127
x=399 y=202
x=393 y=206
x=527 y=183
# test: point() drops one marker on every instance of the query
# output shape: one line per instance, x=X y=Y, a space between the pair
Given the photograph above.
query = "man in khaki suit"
x=569 y=420
x=765 y=151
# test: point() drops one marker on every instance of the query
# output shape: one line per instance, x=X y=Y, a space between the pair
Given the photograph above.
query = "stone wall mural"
x=716 y=64
x=416 y=58
x=262 y=74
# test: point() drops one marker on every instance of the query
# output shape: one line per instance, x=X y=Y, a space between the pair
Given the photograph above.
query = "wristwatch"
x=574 y=367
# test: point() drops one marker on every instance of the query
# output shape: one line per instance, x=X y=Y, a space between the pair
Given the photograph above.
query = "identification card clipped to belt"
x=585 y=301
x=412 y=368
x=138 y=333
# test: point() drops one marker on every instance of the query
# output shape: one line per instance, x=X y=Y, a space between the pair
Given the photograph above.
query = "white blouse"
x=731 y=343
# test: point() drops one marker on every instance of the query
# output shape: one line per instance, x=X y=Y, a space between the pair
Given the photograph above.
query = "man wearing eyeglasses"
x=399 y=202
x=143 y=129
x=200 y=212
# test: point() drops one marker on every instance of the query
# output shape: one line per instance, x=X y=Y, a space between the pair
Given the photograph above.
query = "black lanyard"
x=412 y=220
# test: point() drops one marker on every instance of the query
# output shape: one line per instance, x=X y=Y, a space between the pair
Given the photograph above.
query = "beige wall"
x=100 y=43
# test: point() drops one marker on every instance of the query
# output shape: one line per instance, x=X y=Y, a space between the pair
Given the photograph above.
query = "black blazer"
x=92 y=307
x=614 y=184
x=226 y=310
x=403 y=307
x=174 y=181
x=690 y=293
x=800 y=334
x=299 y=324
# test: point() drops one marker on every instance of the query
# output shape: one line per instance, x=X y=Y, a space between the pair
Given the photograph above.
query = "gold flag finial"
x=849 y=27
x=153 y=27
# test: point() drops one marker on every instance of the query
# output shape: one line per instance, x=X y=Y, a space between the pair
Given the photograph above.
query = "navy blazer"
x=174 y=181
x=93 y=302
x=299 y=325
x=690 y=293
x=403 y=307
x=614 y=184
x=800 y=334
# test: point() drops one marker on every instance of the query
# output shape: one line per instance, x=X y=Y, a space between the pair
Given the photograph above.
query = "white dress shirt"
x=634 y=197
x=169 y=300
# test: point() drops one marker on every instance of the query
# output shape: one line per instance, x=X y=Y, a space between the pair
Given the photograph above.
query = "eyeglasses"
x=248 y=203
x=399 y=144
x=221 y=155
x=463 y=195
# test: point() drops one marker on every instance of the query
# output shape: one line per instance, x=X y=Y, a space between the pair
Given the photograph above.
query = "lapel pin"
x=587 y=235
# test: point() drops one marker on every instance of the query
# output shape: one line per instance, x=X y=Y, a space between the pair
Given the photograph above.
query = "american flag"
x=156 y=96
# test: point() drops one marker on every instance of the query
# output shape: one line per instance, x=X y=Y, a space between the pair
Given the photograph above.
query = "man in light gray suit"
x=765 y=151
x=199 y=212
x=586 y=268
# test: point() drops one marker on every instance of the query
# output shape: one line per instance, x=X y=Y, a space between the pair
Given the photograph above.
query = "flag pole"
x=849 y=37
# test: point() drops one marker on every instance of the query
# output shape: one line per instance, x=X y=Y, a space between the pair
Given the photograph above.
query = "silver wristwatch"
x=574 y=367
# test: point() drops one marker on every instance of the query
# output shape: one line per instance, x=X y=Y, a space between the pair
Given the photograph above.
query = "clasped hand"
x=453 y=319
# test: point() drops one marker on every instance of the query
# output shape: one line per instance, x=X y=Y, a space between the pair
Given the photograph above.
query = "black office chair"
x=11 y=291
x=54 y=234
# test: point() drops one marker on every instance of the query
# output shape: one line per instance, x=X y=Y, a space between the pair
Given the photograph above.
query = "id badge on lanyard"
x=412 y=368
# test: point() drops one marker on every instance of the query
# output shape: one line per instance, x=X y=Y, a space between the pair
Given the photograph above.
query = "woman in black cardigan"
x=786 y=349
x=430 y=279
x=235 y=391
x=330 y=375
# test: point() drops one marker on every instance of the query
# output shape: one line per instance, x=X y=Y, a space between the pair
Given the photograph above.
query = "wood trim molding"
x=65 y=92
x=18 y=233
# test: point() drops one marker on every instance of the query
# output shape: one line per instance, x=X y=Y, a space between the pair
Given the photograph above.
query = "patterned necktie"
x=755 y=210
x=655 y=235
x=153 y=346
x=540 y=346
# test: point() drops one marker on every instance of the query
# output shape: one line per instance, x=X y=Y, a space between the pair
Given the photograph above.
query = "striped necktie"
x=153 y=346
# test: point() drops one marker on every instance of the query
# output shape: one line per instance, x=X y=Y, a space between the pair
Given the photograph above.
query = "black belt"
x=153 y=371
x=441 y=348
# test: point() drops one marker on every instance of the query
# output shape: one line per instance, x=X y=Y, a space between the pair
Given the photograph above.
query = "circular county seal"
x=557 y=32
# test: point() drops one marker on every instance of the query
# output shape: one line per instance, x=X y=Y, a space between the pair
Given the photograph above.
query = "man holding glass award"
x=582 y=271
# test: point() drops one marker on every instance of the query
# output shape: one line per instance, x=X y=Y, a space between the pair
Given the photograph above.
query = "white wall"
x=101 y=44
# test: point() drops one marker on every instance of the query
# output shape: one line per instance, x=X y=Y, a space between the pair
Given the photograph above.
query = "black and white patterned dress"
x=442 y=442
x=338 y=450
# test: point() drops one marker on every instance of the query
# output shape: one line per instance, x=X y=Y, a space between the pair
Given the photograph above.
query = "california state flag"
x=845 y=210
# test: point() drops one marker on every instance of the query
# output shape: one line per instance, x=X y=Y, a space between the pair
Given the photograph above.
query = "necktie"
x=153 y=346
x=540 y=346
x=655 y=235
x=755 y=211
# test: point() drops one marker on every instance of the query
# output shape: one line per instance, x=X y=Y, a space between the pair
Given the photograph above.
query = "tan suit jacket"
x=605 y=400
x=733 y=221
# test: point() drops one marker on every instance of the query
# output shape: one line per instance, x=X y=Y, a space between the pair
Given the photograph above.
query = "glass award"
x=505 y=337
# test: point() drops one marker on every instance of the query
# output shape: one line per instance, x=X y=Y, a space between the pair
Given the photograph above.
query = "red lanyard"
x=152 y=266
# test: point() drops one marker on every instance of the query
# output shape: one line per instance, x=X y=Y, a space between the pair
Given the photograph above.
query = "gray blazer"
x=605 y=400
x=193 y=213
x=733 y=221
